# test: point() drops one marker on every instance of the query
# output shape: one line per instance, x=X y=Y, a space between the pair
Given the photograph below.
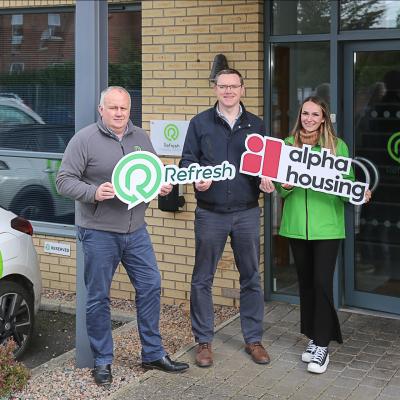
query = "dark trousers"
x=315 y=263
x=211 y=233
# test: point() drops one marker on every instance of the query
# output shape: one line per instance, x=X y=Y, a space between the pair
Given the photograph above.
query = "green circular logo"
x=393 y=147
x=137 y=178
x=171 y=132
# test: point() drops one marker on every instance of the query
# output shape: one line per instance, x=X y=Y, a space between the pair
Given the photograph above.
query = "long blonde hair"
x=327 y=133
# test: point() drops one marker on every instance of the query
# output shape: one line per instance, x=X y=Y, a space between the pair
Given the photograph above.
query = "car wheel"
x=32 y=210
x=33 y=206
x=16 y=315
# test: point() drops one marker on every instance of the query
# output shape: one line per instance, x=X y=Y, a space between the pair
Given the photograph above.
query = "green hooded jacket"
x=311 y=215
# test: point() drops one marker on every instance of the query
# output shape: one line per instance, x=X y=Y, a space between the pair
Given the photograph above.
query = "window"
x=53 y=31
x=37 y=100
x=125 y=54
x=17 y=68
x=36 y=112
x=369 y=14
x=17 y=21
x=299 y=17
x=295 y=75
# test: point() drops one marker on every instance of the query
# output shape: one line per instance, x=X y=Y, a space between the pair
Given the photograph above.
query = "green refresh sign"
x=393 y=147
x=138 y=176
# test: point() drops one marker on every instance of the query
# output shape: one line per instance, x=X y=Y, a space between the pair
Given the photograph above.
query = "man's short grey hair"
x=111 y=88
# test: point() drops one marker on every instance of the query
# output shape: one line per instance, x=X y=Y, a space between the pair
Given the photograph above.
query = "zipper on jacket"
x=130 y=220
x=305 y=191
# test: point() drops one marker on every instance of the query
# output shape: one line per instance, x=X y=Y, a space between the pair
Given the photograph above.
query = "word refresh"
x=196 y=173
x=320 y=171
x=138 y=176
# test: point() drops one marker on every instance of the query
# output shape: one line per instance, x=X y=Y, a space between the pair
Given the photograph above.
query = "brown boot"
x=257 y=352
x=204 y=357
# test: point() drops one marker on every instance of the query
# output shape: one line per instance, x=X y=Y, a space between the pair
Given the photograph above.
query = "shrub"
x=13 y=374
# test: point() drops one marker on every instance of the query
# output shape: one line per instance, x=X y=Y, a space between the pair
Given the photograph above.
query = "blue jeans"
x=102 y=252
x=211 y=233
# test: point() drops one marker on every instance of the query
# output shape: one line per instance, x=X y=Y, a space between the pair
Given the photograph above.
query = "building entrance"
x=371 y=112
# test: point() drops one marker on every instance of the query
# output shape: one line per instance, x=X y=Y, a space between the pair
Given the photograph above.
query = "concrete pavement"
x=365 y=367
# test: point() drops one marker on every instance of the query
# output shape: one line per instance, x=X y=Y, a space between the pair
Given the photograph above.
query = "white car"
x=15 y=112
x=20 y=280
x=28 y=183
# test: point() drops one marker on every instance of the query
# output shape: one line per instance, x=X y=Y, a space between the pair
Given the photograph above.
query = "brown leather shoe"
x=257 y=352
x=204 y=357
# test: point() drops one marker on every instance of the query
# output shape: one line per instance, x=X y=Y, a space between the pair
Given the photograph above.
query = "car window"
x=36 y=138
x=13 y=116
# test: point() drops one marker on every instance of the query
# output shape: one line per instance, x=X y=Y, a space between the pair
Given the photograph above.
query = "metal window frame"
x=135 y=6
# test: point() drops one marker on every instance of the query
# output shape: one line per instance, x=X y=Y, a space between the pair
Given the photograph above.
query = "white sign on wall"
x=62 y=249
x=168 y=137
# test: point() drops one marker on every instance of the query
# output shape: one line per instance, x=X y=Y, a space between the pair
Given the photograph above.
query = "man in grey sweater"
x=110 y=233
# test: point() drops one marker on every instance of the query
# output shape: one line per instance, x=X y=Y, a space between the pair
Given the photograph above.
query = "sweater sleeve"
x=69 y=178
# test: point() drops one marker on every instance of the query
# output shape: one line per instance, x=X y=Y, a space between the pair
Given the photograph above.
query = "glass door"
x=371 y=117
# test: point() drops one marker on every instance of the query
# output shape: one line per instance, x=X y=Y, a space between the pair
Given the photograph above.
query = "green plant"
x=13 y=374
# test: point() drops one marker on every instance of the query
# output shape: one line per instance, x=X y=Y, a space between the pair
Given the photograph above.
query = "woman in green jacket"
x=314 y=223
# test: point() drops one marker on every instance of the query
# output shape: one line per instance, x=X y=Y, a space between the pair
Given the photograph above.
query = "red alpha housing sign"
x=320 y=171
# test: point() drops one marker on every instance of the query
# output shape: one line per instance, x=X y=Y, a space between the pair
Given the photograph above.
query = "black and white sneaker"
x=319 y=361
x=308 y=354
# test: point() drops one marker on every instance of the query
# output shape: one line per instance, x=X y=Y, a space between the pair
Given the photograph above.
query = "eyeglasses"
x=230 y=87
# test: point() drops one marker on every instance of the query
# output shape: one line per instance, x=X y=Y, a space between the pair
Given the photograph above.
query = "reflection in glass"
x=28 y=189
x=36 y=111
x=300 y=17
x=37 y=106
x=369 y=14
x=125 y=55
x=295 y=75
x=377 y=120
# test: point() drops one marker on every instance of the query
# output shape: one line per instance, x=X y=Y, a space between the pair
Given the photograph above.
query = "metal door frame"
x=354 y=297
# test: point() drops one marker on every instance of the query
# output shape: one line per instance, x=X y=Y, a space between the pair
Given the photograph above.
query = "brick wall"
x=180 y=40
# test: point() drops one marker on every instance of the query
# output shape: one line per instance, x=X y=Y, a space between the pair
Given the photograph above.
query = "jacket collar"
x=106 y=131
x=243 y=116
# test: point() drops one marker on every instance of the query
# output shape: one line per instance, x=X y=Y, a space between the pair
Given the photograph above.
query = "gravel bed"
x=117 y=304
x=67 y=382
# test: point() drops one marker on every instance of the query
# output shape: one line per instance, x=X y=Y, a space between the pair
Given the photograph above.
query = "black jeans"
x=315 y=263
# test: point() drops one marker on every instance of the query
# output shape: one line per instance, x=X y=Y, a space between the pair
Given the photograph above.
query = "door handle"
x=361 y=161
x=374 y=170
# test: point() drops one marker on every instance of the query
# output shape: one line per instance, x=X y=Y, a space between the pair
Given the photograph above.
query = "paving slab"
x=365 y=367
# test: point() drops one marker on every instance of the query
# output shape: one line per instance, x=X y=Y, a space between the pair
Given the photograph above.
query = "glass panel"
x=369 y=14
x=299 y=17
x=125 y=55
x=37 y=101
x=36 y=111
x=295 y=75
x=377 y=138
x=28 y=184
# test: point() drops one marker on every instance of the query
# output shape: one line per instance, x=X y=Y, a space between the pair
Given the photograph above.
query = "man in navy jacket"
x=226 y=208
